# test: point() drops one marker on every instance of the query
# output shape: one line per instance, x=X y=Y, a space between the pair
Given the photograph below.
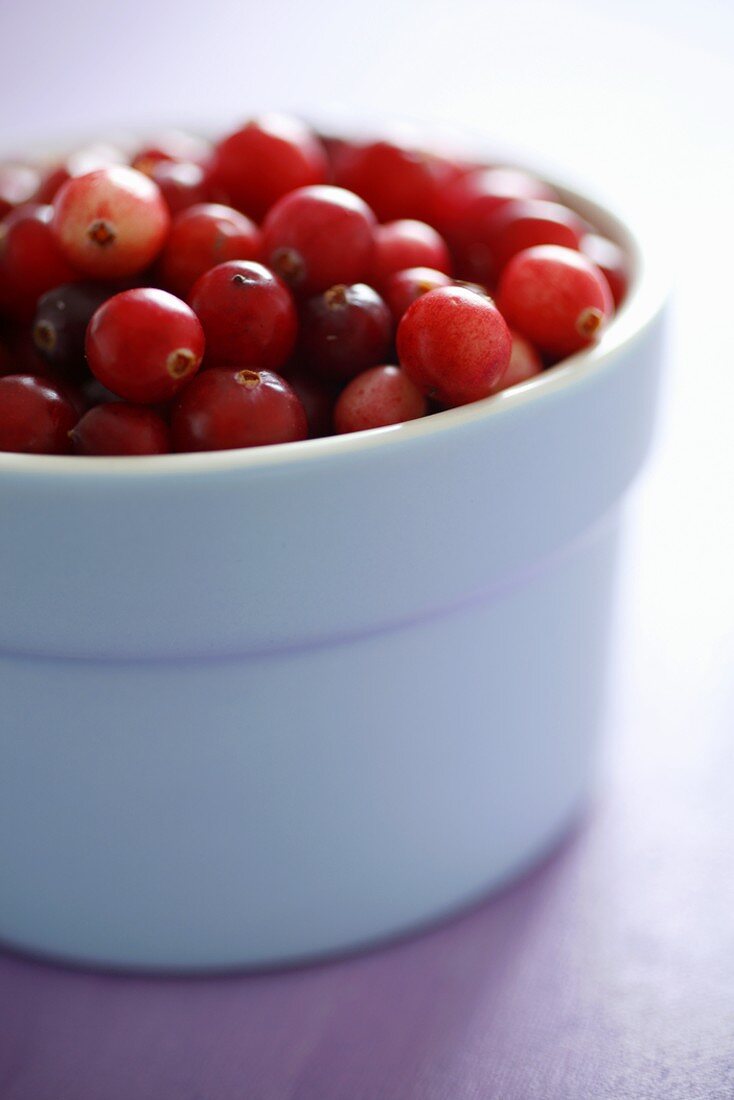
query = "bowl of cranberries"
x=313 y=453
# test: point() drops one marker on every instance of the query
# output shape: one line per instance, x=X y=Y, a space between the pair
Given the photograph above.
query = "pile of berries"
x=277 y=285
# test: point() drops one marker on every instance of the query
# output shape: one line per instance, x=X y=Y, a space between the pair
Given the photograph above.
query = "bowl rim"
x=646 y=297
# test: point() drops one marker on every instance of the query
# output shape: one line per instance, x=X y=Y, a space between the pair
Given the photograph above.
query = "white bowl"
x=262 y=705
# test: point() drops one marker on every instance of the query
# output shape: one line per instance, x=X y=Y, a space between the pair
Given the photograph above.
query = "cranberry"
x=30 y=259
x=317 y=397
x=60 y=324
x=111 y=222
x=524 y=364
x=170 y=146
x=224 y=408
x=202 y=237
x=395 y=181
x=520 y=225
x=267 y=158
x=406 y=243
x=34 y=417
x=556 y=298
x=18 y=184
x=378 y=397
x=611 y=261
x=318 y=236
x=121 y=429
x=402 y=288
x=344 y=330
x=454 y=344
x=467 y=202
x=247 y=314
x=80 y=163
x=183 y=183
x=144 y=345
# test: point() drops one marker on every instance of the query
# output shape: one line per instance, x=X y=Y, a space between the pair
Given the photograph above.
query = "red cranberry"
x=121 y=429
x=224 y=408
x=344 y=330
x=524 y=364
x=406 y=243
x=18 y=184
x=469 y=200
x=520 y=225
x=111 y=222
x=182 y=182
x=402 y=288
x=202 y=237
x=611 y=261
x=170 y=146
x=318 y=236
x=395 y=181
x=556 y=298
x=30 y=259
x=248 y=316
x=317 y=397
x=80 y=163
x=267 y=158
x=60 y=324
x=378 y=397
x=454 y=344
x=144 y=345
x=34 y=417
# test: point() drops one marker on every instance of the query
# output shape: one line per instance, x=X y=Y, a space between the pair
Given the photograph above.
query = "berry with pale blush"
x=525 y=363
x=378 y=397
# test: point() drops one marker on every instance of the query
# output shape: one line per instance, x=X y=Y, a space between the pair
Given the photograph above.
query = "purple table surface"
x=607 y=973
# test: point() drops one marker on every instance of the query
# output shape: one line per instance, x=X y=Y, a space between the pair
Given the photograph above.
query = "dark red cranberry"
x=19 y=184
x=403 y=244
x=170 y=146
x=396 y=182
x=182 y=182
x=121 y=429
x=318 y=236
x=34 y=417
x=454 y=344
x=378 y=397
x=525 y=363
x=144 y=345
x=202 y=237
x=111 y=222
x=555 y=297
x=402 y=288
x=248 y=316
x=30 y=260
x=255 y=166
x=344 y=330
x=611 y=261
x=60 y=324
x=223 y=409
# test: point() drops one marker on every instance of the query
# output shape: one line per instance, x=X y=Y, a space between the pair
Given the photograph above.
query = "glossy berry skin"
x=224 y=408
x=144 y=345
x=454 y=344
x=395 y=181
x=403 y=244
x=19 y=184
x=60 y=324
x=525 y=363
x=30 y=260
x=268 y=157
x=182 y=183
x=402 y=288
x=121 y=429
x=248 y=316
x=611 y=261
x=318 y=236
x=202 y=237
x=110 y=223
x=520 y=225
x=34 y=417
x=378 y=397
x=555 y=297
x=344 y=330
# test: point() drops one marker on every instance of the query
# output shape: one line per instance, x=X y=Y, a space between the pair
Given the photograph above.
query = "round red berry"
x=202 y=237
x=111 y=222
x=223 y=408
x=248 y=316
x=183 y=183
x=520 y=225
x=525 y=363
x=34 y=417
x=270 y=156
x=344 y=330
x=402 y=288
x=611 y=261
x=555 y=297
x=378 y=397
x=121 y=429
x=403 y=244
x=454 y=344
x=318 y=236
x=396 y=182
x=144 y=345
x=31 y=261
